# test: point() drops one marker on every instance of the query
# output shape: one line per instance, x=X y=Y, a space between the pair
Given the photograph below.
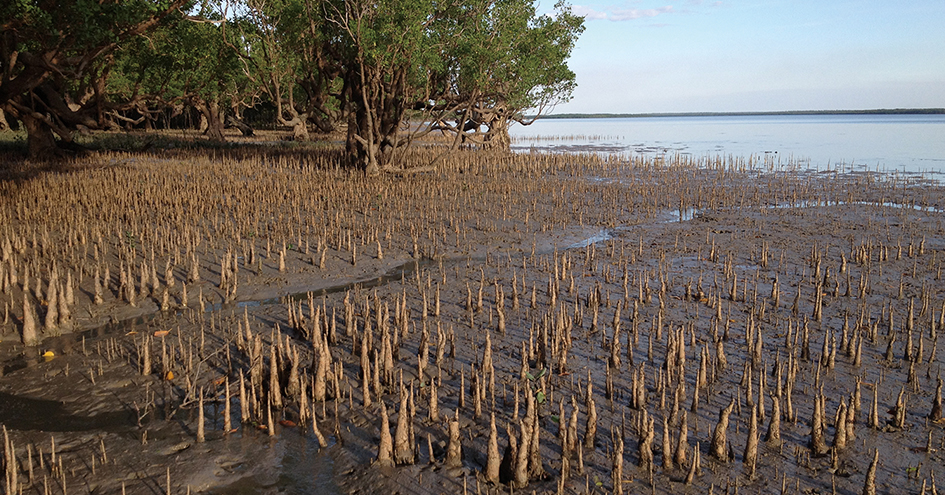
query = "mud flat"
x=528 y=292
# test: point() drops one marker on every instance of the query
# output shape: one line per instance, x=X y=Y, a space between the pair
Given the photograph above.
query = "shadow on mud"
x=25 y=413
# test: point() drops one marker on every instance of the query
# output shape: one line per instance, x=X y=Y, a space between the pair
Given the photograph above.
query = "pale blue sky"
x=754 y=55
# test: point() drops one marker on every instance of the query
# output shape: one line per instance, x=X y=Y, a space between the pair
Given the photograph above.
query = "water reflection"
x=912 y=143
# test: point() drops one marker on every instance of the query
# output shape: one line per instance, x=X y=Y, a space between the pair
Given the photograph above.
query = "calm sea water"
x=909 y=143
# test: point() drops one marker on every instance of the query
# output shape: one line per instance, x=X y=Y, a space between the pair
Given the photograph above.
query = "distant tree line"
x=386 y=71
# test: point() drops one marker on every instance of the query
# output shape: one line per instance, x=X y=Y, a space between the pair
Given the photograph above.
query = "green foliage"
x=55 y=56
x=75 y=26
x=533 y=379
x=185 y=57
x=289 y=51
x=505 y=52
x=73 y=37
x=368 y=62
x=540 y=374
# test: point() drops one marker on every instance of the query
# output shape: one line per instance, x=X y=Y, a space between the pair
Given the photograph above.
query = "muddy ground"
x=685 y=255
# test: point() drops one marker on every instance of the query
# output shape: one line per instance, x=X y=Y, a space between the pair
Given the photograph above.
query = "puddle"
x=304 y=468
x=680 y=215
x=395 y=274
x=687 y=214
x=602 y=236
x=67 y=343
x=70 y=343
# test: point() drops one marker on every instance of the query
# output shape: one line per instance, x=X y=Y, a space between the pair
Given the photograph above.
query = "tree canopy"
x=56 y=56
x=385 y=71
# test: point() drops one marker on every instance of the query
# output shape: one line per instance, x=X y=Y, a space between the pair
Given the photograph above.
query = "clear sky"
x=755 y=55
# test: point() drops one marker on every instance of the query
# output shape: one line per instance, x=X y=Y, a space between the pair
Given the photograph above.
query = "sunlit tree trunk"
x=498 y=138
x=211 y=114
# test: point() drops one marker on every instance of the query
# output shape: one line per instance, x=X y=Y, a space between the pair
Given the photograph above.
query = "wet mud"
x=703 y=298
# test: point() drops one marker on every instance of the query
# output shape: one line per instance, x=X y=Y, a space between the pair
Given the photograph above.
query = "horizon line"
x=877 y=111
